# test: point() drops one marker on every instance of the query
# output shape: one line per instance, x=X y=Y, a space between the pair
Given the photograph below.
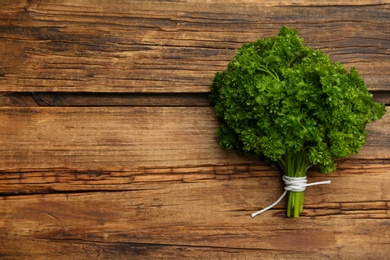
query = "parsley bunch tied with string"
x=293 y=106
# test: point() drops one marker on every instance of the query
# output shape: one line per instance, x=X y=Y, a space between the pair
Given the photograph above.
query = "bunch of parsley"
x=290 y=104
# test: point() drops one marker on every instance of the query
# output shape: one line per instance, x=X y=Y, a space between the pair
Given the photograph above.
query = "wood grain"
x=209 y=215
x=124 y=138
x=92 y=138
x=107 y=138
x=146 y=46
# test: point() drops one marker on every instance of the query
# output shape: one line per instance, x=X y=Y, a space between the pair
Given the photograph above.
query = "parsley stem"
x=295 y=165
x=269 y=72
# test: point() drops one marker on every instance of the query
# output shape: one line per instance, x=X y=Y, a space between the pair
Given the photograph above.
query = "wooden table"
x=107 y=138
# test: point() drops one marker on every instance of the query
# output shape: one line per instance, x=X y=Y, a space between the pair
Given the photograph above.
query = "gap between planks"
x=63 y=99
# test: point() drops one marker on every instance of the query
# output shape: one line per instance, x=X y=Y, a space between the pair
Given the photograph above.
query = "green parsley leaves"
x=290 y=104
x=279 y=97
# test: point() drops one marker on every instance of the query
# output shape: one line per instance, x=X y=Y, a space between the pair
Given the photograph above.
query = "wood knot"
x=30 y=7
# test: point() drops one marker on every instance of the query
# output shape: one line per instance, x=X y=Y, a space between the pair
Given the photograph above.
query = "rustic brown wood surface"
x=107 y=138
x=137 y=46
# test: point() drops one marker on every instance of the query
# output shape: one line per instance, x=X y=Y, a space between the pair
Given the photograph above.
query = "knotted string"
x=296 y=184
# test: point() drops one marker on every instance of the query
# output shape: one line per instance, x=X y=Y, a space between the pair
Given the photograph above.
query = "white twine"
x=296 y=184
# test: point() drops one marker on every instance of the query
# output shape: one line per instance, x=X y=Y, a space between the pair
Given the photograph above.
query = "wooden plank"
x=101 y=138
x=27 y=248
x=22 y=249
x=121 y=138
x=146 y=46
x=347 y=219
x=41 y=181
